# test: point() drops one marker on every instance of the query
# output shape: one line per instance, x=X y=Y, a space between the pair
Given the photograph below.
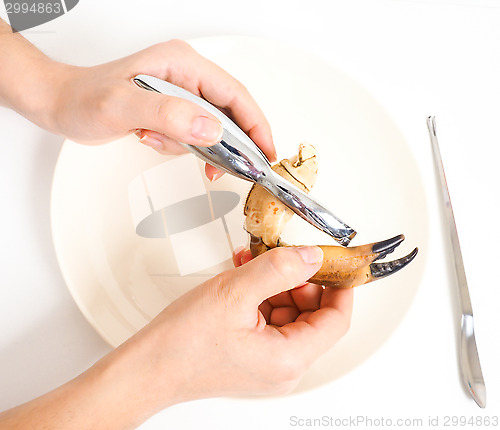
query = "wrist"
x=132 y=381
x=119 y=391
x=40 y=92
x=26 y=76
x=34 y=93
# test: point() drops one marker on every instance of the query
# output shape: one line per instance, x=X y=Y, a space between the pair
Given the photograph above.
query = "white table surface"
x=418 y=58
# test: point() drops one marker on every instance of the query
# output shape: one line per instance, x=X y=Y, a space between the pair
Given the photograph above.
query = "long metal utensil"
x=470 y=367
x=238 y=155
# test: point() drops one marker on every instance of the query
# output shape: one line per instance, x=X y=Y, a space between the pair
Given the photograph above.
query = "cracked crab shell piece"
x=266 y=216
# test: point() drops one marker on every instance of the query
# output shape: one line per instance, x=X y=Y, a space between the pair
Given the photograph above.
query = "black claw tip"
x=380 y=270
x=387 y=246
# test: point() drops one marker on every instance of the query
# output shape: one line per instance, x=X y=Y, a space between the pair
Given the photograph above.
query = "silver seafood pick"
x=239 y=156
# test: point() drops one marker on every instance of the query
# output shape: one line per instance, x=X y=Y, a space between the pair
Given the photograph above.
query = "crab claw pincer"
x=351 y=267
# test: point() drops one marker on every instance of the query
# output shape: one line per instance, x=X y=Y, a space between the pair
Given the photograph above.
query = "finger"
x=176 y=118
x=241 y=256
x=212 y=172
x=307 y=297
x=237 y=254
x=338 y=298
x=304 y=316
x=246 y=257
x=281 y=299
x=335 y=312
x=213 y=83
x=284 y=315
x=321 y=329
x=275 y=271
x=159 y=142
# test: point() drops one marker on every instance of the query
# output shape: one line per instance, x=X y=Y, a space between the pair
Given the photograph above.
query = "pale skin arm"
x=244 y=332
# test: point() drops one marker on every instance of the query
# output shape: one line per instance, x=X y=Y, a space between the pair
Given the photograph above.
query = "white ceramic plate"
x=130 y=225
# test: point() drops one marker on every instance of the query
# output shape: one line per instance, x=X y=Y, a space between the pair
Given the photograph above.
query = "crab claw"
x=350 y=267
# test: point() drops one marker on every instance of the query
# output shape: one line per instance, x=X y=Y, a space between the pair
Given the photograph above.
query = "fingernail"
x=216 y=176
x=206 y=129
x=138 y=133
x=311 y=254
x=151 y=142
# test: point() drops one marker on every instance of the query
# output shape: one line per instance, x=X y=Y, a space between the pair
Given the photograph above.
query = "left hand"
x=93 y=105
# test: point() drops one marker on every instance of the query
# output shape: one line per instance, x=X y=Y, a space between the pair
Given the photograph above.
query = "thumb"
x=277 y=270
x=178 y=119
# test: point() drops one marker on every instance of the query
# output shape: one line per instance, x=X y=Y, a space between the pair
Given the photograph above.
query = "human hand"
x=240 y=333
x=247 y=331
x=93 y=105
